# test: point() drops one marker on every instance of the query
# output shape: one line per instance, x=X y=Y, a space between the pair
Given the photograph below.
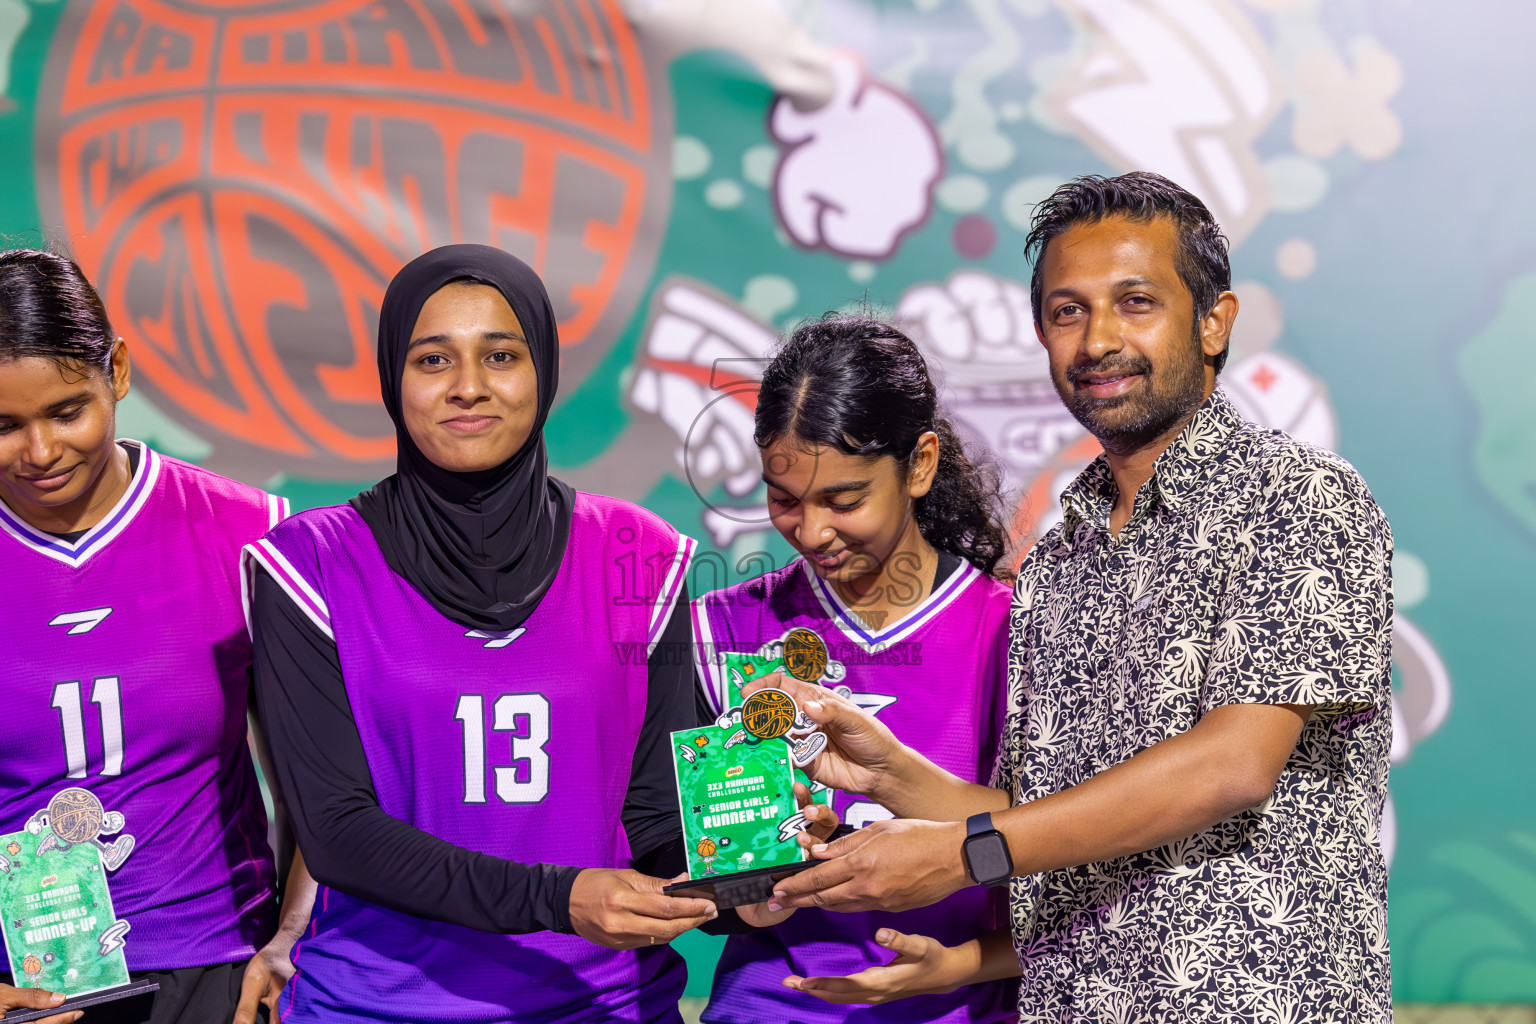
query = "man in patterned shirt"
x=1190 y=788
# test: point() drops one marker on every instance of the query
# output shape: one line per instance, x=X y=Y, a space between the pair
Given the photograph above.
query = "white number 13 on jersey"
x=526 y=717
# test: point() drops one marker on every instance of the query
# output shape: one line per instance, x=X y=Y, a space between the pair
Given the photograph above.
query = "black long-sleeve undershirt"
x=352 y=845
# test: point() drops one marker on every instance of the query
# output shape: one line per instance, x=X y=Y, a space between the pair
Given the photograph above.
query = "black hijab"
x=482 y=547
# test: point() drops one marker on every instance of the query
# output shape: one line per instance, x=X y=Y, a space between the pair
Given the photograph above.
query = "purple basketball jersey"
x=516 y=745
x=938 y=678
x=127 y=663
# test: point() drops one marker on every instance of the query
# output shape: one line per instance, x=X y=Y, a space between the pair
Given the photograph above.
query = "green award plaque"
x=735 y=779
x=733 y=800
x=60 y=931
x=800 y=653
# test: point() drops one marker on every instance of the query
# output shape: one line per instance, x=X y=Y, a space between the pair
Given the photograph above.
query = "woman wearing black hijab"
x=442 y=676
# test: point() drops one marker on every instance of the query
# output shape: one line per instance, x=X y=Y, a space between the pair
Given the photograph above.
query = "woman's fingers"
x=622 y=908
x=759 y=916
x=665 y=931
x=856 y=988
x=804 y=693
x=908 y=948
x=647 y=898
x=661 y=907
x=820 y=824
x=918 y=964
x=629 y=930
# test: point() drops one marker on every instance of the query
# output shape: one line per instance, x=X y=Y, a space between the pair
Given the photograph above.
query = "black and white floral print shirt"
x=1255 y=570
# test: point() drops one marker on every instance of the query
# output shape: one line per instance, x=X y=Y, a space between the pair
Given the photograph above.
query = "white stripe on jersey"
x=287 y=577
x=711 y=677
x=856 y=629
x=670 y=585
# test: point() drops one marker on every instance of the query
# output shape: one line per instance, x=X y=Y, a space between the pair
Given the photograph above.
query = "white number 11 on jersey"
x=106 y=694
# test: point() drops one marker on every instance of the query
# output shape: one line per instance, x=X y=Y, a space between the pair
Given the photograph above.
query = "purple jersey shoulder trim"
x=287 y=577
x=854 y=628
x=705 y=657
x=74 y=554
x=671 y=585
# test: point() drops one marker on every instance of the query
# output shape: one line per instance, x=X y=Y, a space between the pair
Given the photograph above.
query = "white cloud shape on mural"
x=858 y=172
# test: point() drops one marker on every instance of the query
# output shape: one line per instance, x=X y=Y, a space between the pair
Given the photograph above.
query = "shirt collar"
x=1178 y=471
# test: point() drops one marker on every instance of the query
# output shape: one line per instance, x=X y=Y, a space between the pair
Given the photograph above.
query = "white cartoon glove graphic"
x=997 y=380
x=857 y=172
x=703 y=357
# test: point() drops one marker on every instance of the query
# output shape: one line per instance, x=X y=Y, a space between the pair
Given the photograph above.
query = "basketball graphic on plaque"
x=768 y=714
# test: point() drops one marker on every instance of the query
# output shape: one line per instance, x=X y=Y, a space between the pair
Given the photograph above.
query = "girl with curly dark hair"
x=900 y=537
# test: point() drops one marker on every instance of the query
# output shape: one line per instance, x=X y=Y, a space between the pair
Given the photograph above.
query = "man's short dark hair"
x=1142 y=196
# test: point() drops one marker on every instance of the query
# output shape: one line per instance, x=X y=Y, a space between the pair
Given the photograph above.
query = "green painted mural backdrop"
x=691 y=177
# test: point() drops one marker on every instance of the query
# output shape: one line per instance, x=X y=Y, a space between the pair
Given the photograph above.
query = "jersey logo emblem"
x=874 y=703
x=81 y=622
x=496 y=641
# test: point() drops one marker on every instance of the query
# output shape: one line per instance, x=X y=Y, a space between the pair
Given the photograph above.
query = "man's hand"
x=861 y=753
x=265 y=976
x=864 y=756
x=623 y=909
x=922 y=966
x=12 y=998
x=889 y=865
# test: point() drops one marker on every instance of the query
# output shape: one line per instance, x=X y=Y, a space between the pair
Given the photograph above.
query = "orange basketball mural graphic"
x=242 y=180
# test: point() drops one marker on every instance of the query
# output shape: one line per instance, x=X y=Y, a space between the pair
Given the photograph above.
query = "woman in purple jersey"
x=127 y=662
x=900 y=539
x=456 y=673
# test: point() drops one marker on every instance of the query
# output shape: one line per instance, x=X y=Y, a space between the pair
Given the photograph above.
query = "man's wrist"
x=902 y=776
x=960 y=875
x=985 y=852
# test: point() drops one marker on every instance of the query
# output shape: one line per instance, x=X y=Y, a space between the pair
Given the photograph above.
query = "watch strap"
x=978 y=830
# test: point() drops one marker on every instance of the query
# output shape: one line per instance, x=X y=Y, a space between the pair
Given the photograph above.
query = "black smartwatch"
x=986 y=851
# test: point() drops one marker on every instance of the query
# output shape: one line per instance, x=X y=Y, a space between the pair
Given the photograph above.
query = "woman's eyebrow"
x=443 y=339
x=61 y=404
x=846 y=485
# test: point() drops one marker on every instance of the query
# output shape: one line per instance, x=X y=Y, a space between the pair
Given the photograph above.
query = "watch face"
x=987 y=855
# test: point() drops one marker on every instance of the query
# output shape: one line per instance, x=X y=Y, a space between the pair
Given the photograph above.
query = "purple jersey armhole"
x=705 y=656
x=671 y=586
x=265 y=554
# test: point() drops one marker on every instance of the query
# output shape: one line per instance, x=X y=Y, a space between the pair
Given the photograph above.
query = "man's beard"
x=1136 y=420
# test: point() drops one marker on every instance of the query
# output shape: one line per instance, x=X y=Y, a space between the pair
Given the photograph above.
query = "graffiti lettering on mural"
x=242 y=183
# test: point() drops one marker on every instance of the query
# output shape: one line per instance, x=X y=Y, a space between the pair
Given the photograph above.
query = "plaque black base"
x=106 y=995
x=736 y=889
